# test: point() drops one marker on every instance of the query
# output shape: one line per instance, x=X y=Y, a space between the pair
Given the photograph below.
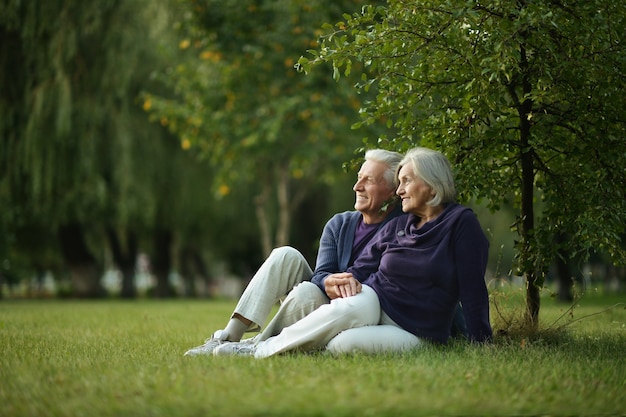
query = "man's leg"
x=315 y=330
x=305 y=298
x=281 y=271
x=279 y=274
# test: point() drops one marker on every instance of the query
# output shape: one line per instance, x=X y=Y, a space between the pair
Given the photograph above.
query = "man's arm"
x=333 y=256
x=328 y=254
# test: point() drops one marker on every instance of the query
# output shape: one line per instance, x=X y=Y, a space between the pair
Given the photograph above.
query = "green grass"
x=116 y=358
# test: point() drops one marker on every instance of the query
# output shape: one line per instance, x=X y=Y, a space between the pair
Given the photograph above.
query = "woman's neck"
x=431 y=213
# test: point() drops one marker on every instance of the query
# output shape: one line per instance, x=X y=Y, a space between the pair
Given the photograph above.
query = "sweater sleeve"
x=369 y=261
x=327 y=256
x=471 y=252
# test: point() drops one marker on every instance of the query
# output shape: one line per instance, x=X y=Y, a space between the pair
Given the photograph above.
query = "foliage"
x=525 y=98
x=53 y=89
x=77 y=148
x=240 y=103
x=79 y=358
x=67 y=135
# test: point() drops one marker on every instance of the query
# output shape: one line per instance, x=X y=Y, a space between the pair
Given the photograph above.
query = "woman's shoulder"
x=397 y=223
x=456 y=210
x=464 y=217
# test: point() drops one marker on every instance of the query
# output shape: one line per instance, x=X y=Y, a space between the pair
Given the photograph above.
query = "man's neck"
x=378 y=217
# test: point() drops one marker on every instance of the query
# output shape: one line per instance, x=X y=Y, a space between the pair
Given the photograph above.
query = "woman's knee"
x=373 y=339
x=362 y=309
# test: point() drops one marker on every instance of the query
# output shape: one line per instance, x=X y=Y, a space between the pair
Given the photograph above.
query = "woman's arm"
x=471 y=253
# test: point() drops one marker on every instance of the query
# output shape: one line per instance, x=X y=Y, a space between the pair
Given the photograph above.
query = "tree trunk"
x=284 y=209
x=564 y=281
x=187 y=272
x=260 y=207
x=287 y=202
x=563 y=275
x=162 y=263
x=192 y=267
x=125 y=260
x=84 y=273
x=528 y=185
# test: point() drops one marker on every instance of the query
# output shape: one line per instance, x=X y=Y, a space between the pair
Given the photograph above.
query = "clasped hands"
x=341 y=285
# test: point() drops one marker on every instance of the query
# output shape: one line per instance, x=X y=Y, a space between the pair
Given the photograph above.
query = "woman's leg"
x=305 y=298
x=386 y=337
x=315 y=330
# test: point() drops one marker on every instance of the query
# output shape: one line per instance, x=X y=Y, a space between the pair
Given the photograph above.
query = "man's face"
x=371 y=191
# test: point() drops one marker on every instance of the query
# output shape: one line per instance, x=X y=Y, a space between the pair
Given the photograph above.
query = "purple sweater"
x=420 y=275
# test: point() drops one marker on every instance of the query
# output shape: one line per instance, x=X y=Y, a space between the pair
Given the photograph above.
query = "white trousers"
x=386 y=337
x=347 y=315
x=283 y=277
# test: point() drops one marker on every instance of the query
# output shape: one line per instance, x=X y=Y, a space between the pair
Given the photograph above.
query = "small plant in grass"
x=509 y=317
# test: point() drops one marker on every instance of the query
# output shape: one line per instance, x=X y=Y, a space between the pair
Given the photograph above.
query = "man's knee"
x=307 y=292
x=287 y=253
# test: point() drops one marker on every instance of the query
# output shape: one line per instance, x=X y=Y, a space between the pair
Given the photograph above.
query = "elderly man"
x=286 y=275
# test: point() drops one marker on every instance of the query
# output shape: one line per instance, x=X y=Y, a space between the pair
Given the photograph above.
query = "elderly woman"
x=410 y=279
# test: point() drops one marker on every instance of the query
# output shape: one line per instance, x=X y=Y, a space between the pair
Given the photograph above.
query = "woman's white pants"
x=348 y=315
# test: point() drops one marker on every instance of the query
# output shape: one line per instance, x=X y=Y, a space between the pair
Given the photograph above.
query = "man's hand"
x=341 y=285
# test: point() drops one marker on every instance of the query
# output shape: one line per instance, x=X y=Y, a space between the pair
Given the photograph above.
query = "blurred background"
x=162 y=149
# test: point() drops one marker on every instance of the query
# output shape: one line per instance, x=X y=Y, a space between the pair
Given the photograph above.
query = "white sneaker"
x=253 y=340
x=218 y=338
x=235 y=349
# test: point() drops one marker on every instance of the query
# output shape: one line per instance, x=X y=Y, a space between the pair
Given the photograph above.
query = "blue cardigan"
x=336 y=244
x=421 y=274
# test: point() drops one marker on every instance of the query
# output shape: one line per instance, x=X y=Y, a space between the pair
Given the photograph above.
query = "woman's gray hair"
x=434 y=169
x=391 y=160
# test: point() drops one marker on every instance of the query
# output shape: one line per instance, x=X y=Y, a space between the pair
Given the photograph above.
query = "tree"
x=240 y=103
x=52 y=71
x=522 y=96
x=78 y=159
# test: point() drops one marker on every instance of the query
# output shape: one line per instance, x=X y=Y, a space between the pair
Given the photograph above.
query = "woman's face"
x=413 y=191
x=372 y=191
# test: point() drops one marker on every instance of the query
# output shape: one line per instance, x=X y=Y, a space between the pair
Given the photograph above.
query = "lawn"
x=124 y=358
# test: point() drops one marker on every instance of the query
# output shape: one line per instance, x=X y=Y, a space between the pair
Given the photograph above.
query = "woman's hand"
x=341 y=285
